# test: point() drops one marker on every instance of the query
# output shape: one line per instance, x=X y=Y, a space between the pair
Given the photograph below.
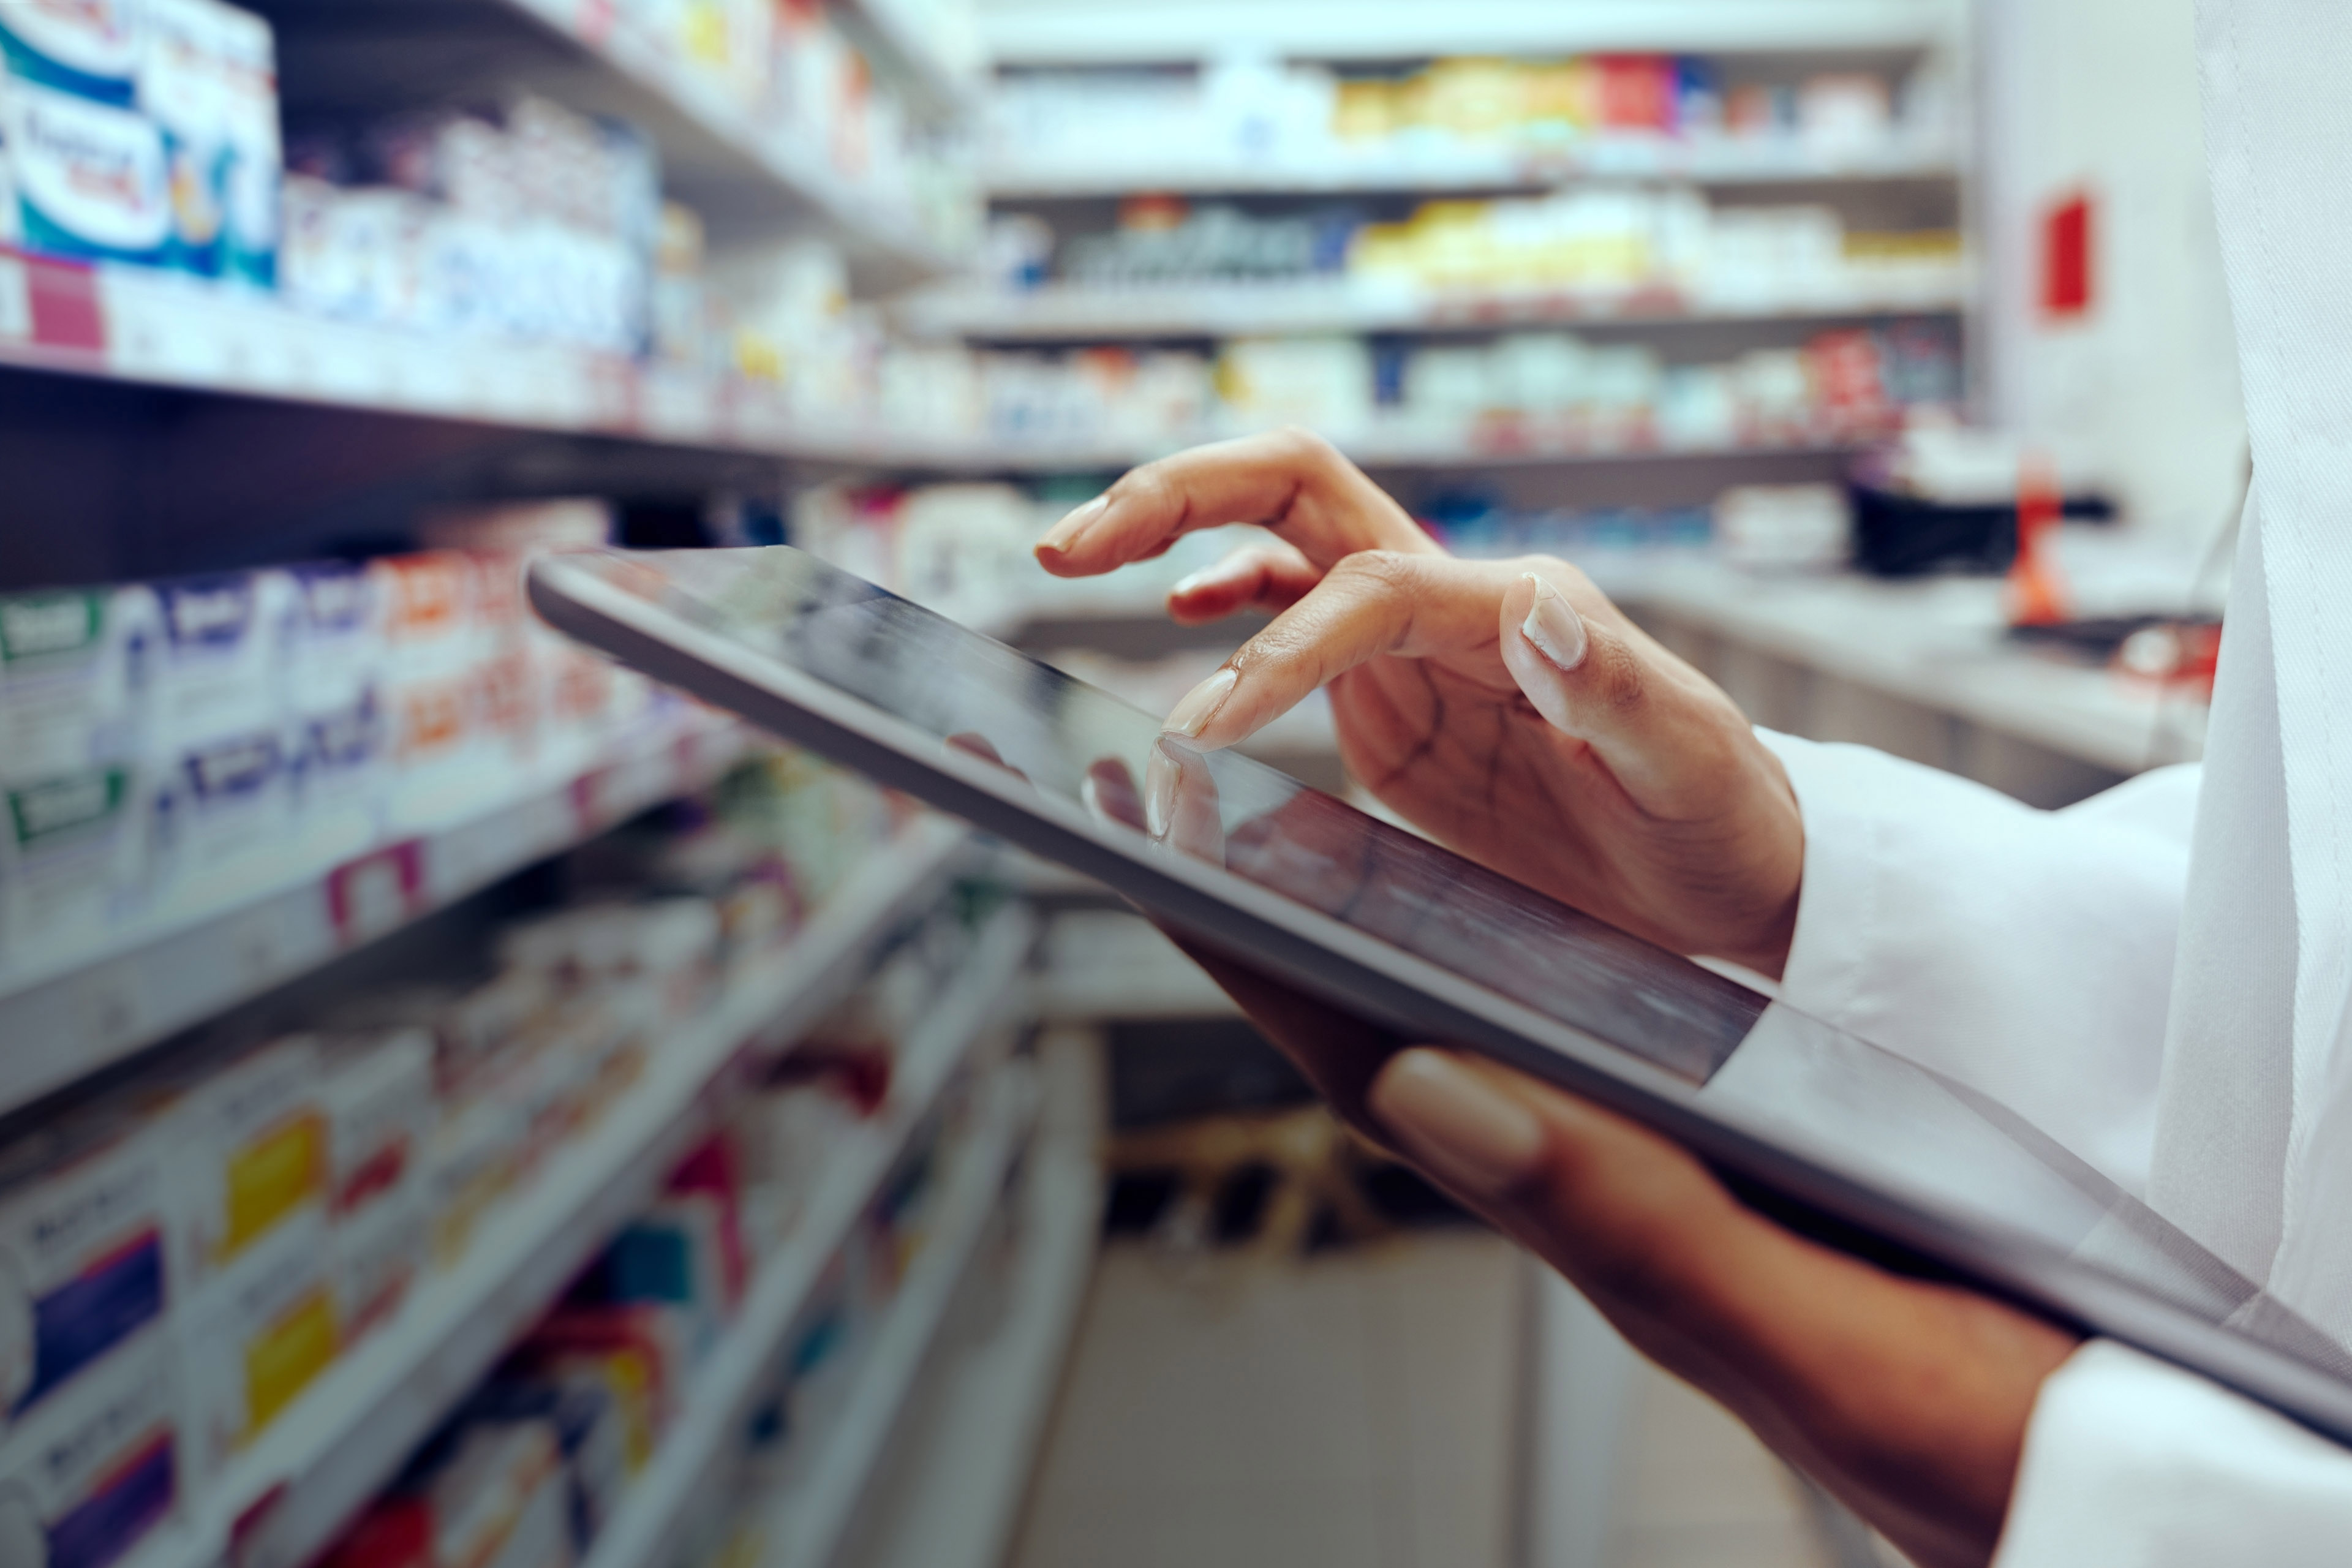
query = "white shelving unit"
x=69 y=1017
x=282 y=1501
x=782 y=158
x=1725 y=163
x=691 y=1452
x=956 y=1486
x=804 y=1528
x=1060 y=312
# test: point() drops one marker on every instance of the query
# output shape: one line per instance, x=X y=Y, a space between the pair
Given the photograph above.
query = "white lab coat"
x=2159 y=977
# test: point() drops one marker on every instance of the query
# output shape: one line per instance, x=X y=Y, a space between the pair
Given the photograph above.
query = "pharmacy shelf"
x=68 y=1017
x=1078 y=313
x=954 y=1500
x=1057 y=32
x=698 y=1445
x=1398 y=447
x=786 y=157
x=804 y=1526
x=947 y=85
x=282 y=1502
x=1937 y=645
x=147 y=328
x=1723 y=163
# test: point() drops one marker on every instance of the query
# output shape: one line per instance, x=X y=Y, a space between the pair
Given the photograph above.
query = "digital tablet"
x=1822 y=1129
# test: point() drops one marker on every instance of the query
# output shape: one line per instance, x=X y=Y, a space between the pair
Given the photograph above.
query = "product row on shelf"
x=966 y=549
x=150 y=135
x=558 y=1447
x=197 y=1247
x=171 y=749
x=1670 y=246
x=1530 y=391
x=1264 y=122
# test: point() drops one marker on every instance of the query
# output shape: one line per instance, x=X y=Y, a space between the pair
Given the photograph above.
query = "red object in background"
x=397 y=1533
x=2066 y=258
x=1850 y=380
x=2036 y=591
x=1637 y=92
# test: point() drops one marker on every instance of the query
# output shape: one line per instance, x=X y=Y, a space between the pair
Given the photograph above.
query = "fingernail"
x=1159 y=782
x=1193 y=581
x=1191 y=716
x=1470 y=1136
x=1556 y=629
x=1064 y=534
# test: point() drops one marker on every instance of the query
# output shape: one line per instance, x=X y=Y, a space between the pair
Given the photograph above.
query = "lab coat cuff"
x=2129 y=1459
x=1843 y=795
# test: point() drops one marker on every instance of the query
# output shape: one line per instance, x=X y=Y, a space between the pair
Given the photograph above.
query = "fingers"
x=1180 y=802
x=1630 y=1216
x=1666 y=740
x=1268 y=578
x=1369 y=605
x=1290 y=481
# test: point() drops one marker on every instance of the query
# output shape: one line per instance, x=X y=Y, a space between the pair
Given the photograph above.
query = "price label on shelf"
x=16 y=300
x=376 y=892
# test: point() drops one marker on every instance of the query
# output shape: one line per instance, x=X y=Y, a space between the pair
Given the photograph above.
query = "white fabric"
x=2020 y=951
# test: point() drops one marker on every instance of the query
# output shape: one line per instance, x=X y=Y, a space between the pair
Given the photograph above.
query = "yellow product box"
x=255 y=1338
x=248 y=1139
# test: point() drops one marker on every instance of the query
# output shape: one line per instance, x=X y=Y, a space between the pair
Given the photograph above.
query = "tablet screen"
x=1077 y=740
x=1779 y=1077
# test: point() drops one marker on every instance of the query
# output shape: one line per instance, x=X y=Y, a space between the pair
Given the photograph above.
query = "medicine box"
x=248 y=1138
x=97 y=1471
x=253 y=1338
x=83 y=1269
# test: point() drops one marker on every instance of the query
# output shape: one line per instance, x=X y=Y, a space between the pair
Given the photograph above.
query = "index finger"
x=1290 y=481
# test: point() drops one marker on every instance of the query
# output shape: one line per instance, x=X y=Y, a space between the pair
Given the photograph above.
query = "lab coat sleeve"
x=2135 y=1464
x=2026 y=953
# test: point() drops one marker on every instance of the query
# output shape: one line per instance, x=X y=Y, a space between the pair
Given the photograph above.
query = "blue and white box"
x=90 y=176
x=89 y=48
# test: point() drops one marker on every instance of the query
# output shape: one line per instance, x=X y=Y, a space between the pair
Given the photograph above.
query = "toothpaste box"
x=82 y=1255
x=90 y=178
x=179 y=88
x=222 y=659
x=222 y=810
x=341 y=780
x=74 y=665
x=87 y=48
x=250 y=1138
x=99 y=1471
x=257 y=154
x=73 y=861
x=341 y=742
x=254 y=1337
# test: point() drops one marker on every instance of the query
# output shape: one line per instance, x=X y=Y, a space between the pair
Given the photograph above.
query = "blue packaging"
x=90 y=175
x=89 y=48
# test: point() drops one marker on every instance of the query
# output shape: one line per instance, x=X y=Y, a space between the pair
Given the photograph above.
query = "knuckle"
x=1619 y=681
x=1384 y=574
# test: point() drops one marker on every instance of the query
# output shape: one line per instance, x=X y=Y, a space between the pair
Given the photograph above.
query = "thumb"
x=1620 y=1211
x=1591 y=681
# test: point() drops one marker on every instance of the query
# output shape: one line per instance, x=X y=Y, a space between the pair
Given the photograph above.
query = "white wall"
x=2102 y=94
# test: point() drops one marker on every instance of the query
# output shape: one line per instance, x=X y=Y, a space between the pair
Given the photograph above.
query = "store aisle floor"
x=1354 y=1411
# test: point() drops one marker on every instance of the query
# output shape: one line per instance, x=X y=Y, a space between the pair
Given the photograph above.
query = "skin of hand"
x=1619 y=780
x=1508 y=708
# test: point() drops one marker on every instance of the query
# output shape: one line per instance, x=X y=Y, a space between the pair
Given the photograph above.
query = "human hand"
x=1506 y=708
x=1905 y=1399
